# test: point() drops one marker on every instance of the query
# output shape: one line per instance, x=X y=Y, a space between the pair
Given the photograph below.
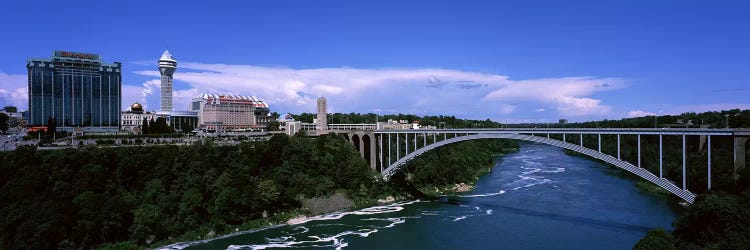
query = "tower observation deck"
x=167 y=67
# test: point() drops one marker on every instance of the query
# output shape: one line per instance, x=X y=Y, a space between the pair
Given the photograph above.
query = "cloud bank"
x=418 y=91
x=13 y=90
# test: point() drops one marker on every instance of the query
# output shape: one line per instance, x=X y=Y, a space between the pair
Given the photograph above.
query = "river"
x=535 y=198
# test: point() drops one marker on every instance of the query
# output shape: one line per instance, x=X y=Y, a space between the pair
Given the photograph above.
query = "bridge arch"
x=643 y=173
x=366 y=148
x=355 y=141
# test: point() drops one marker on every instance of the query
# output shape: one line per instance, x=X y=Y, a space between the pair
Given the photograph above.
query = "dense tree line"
x=158 y=126
x=714 y=119
x=86 y=197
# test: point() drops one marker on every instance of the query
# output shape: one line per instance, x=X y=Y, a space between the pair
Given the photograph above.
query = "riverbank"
x=207 y=232
x=311 y=208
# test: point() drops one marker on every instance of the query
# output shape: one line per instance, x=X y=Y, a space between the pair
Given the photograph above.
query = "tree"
x=715 y=221
x=273 y=125
x=656 y=239
x=144 y=128
x=187 y=127
x=51 y=126
x=4 y=122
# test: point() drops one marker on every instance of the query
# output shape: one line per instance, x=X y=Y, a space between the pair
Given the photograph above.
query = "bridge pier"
x=709 y=162
x=684 y=165
x=618 y=146
x=661 y=158
x=639 y=150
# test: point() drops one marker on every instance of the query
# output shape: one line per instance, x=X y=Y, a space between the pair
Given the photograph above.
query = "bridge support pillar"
x=389 y=149
x=709 y=162
x=639 y=150
x=398 y=145
x=684 y=166
x=618 y=147
x=661 y=158
x=739 y=155
x=599 y=142
x=373 y=152
x=581 y=139
x=380 y=151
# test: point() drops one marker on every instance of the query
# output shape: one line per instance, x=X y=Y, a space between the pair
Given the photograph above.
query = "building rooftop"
x=166 y=56
x=226 y=97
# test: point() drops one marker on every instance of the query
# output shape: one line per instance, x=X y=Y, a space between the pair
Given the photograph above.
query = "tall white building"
x=322 y=116
x=167 y=67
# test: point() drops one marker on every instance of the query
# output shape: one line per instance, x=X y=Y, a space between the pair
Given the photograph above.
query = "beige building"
x=230 y=112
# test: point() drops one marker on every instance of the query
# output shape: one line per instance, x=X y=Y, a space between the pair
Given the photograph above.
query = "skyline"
x=509 y=62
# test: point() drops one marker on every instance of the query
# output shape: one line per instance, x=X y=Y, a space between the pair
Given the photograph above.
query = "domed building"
x=132 y=120
x=136 y=108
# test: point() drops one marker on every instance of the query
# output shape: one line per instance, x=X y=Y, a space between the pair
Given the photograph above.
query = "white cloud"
x=640 y=113
x=569 y=94
x=149 y=87
x=13 y=91
x=417 y=91
x=182 y=98
x=130 y=93
x=539 y=110
x=507 y=108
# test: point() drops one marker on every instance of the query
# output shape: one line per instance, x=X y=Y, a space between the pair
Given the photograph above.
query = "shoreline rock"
x=297 y=220
x=321 y=205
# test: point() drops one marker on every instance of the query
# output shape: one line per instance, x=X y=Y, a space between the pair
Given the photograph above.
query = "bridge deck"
x=642 y=131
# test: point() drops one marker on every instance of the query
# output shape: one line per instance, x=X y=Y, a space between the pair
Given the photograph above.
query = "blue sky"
x=511 y=61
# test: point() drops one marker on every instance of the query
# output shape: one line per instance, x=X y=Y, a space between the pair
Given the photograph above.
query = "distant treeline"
x=437 y=121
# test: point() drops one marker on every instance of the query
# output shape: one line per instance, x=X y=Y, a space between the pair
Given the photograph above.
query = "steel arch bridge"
x=383 y=148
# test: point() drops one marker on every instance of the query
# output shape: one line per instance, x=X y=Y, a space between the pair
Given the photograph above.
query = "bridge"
x=387 y=151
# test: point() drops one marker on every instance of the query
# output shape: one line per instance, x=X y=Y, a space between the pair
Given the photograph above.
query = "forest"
x=147 y=196
x=144 y=196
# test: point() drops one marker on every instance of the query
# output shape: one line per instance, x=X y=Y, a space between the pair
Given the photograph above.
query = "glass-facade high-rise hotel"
x=77 y=90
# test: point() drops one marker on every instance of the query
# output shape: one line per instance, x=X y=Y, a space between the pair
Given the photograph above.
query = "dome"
x=136 y=108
